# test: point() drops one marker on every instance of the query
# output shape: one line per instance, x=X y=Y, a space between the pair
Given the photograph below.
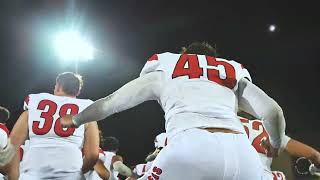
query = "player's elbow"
x=274 y=111
x=91 y=158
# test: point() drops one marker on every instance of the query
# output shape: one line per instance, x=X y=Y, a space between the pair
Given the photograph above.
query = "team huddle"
x=57 y=136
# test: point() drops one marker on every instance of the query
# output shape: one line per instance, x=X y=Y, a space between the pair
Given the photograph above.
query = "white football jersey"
x=51 y=146
x=256 y=134
x=4 y=134
x=140 y=169
x=199 y=90
x=161 y=140
x=107 y=163
x=92 y=174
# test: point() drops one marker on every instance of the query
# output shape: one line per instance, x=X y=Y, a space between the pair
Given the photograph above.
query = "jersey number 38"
x=52 y=108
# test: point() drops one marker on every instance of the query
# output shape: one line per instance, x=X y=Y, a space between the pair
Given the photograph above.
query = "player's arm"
x=17 y=137
x=101 y=170
x=142 y=89
x=117 y=164
x=90 y=146
x=298 y=149
x=257 y=103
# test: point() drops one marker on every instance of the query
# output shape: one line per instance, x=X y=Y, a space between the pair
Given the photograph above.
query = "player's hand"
x=66 y=122
x=270 y=151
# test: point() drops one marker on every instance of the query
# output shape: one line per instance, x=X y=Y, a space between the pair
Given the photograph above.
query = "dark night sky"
x=284 y=63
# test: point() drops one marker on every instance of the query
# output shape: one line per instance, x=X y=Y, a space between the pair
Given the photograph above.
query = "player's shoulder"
x=240 y=69
x=31 y=98
x=38 y=95
x=160 y=56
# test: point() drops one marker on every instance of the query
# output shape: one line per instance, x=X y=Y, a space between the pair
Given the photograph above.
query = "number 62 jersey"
x=52 y=147
x=197 y=91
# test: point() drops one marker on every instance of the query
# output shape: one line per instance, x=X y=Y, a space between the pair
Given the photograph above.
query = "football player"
x=99 y=171
x=258 y=136
x=160 y=142
x=55 y=152
x=200 y=95
x=6 y=150
x=114 y=162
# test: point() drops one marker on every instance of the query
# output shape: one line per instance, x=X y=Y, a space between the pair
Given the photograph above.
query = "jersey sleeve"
x=101 y=155
x=241 y=71
x=26 y=103
x=153 y=64
x=284 y=142
x=4 y=128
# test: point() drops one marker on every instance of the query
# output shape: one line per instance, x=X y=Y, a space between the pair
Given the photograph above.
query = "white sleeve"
x=257 y=103
x=284 y=142
x=26 y=103
x=144 y=88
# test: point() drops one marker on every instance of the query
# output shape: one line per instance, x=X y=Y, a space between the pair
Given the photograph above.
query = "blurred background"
x=278 y=41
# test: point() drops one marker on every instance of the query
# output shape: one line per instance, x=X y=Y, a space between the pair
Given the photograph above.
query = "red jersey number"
x=188 y=65
x=48 y=118
x=256 y=143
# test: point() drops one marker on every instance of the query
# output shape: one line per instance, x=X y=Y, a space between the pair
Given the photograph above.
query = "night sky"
x=284 y=63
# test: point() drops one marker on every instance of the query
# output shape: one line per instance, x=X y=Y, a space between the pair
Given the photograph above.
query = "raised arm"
x=257 y=103
x=142 y=89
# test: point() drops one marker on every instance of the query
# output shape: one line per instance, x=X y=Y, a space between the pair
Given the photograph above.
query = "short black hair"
x=70 y=82
x=111 y=144
x=4 y=114
x=201 y=48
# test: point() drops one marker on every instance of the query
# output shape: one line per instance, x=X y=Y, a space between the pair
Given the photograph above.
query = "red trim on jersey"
x=144 y=168
x=4 y=127
x=21 y=151
x=27 y=100
x=101 y=151
x=153 y=58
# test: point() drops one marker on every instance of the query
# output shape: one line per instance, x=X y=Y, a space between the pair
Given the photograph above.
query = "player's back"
x=199 y=90
x=53 y=151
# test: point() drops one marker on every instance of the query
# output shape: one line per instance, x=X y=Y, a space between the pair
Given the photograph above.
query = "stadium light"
x=70 y=46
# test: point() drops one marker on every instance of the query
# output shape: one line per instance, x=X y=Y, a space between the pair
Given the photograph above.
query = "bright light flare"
x=71 y=46
x=272 y=28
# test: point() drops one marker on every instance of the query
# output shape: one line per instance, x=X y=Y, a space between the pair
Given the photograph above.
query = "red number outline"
x=48 y=118
x=256 y=143
x=195 y=71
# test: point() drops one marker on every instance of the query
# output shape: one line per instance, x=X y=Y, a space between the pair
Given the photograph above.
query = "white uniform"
x=4 y=134
x=23 y=153
x=107 y=163
x=161 y=140
x=54 y=152
x=140 y=169
x=93 y=175
x=256 y=133
x=199 y=92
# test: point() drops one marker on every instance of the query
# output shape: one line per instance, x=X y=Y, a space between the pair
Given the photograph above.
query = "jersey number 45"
x=52 y=108
x=188 y=65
